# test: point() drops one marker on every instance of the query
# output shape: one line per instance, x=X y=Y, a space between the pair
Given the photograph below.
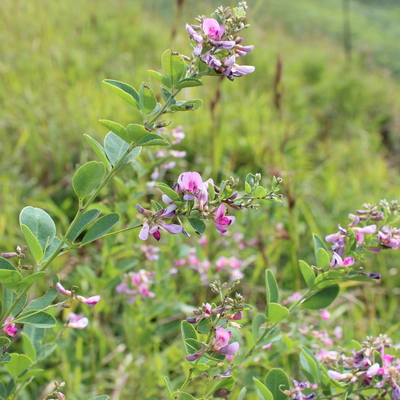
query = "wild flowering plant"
x=216 y=350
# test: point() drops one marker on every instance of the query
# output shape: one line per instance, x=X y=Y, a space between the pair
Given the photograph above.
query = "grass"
x=328 y=143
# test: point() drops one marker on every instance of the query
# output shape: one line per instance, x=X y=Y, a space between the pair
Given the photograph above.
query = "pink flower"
x=156 y=224
x=76 y=321
x=337 y=261
x=60 y=289
x=337 y=376
x=220 y=221
x=191 y=183
x=90 y=301
x=222 y=338
x=144 y=291
x=324 y=314
x=10 y=328
x=213 y=29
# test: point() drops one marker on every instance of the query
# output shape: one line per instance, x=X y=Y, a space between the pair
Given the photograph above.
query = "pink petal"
x=230 y=349
x=90 y=301
x=60 y=289
x=144 y=232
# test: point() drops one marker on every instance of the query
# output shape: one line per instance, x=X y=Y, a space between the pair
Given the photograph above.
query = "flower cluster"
x=363 y=234
x=136 y=284
x=228 y=311
x=217 y=44
x=199 y=201
x=9 y=327
x=363 y=368
x=297 y=392
x=90 y=301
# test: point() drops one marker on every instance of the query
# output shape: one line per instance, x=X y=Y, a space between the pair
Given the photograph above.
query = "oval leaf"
x=276 y=381
x=40 y=224
x=152 y=139
x=18 y=364
x=100 y=228
x=322 y=259
x=98 y=149
x=38 y=320
x=276 y=313
x=88 y=178
x=115 y=127
x=83 y=221
x=147 y=99
x=263 y=391
x=33 y=244
x=169 y=192
x=123 y=90
x=115 y=148
x=161 y=78
x=29 y=281
x=188 y=82
x=173 y=66
x=271 y=287
x=322 y=299
x=308 y=273
x=188 y=332
x=9 y=276
x=198 y=225
x=135 y=132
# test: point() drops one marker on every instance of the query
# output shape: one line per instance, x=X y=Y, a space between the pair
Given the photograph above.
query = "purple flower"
x=60 y=289
x=90 y=301
x=9 y=327
x=191 y=184
x=76 y=321
x=220 y=220
x=220 y=344
x=213 y=29
x=156 y=224
x=337 y=261
x=337 y=376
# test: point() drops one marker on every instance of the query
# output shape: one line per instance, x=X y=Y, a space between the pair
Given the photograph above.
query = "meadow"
x=326 y=124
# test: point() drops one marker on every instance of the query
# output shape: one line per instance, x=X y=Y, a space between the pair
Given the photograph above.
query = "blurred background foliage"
x=321 y=111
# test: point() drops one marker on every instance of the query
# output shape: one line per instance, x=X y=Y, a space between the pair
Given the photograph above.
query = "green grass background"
x=335 y=143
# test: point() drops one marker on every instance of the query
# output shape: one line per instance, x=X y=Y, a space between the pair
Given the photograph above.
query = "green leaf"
x=182 y=396
x=322 y=257
x=156 y=206
x=147 y=99
x=262 y=391
x=38 y=320
x=115 y=127
x=188 y=332
x=329 y=278
x=188 y=82
x=85 y=219
x=318 y=243
x=52 y=248
x=40 y=224
x=322 y=299
x=198 y=225
x=29 y=348
x=161 y=78
x=276 y=313
x=204 y=326
x=99 y=150
x=189 y=105
x=169 y=192
x=9 y=298
x=242 y=393
x=224 y=387
x=4 y=359
x=9 y=276
x=45 y=300
x=260 y=192
x=135 y=132
x=35 y=335
x=18 y=364
x=100 y=228
x=29 y=280
x=168 y=385
x=276 y=380
x=308 y=273
x=33 y=244
x=271 y=287
x=3 y=393
x=123 y=90
x=255 y=326
x=115 y=148
x=310 y=363
x=88 y=178
x=100 y=398
x=29 y=374
x=173 y=66
x=193 y=344
x=152 y=139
